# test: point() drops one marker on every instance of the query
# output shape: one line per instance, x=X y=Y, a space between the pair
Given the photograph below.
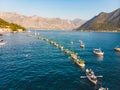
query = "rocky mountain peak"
x=38 y=22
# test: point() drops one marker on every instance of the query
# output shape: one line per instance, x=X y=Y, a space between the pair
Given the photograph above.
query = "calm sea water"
x=28 y=63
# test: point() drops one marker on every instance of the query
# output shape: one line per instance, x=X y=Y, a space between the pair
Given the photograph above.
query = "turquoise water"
x=27 y=63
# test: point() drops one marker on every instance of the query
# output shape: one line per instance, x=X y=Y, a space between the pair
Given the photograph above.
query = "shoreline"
x=57 y=30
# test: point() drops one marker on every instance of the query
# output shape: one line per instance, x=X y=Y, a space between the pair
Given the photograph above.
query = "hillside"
x=38 y=22
x=103 y=22
x=11 y=26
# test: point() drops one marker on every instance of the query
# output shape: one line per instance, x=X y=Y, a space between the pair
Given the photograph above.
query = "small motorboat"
x=98 y=52
x=117 y=49
x=91 y=76
x=81 y=44
x=102 y=88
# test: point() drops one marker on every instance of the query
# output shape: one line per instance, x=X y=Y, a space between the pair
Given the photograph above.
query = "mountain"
x=37 y=22
x=9 y=27
x=103 y=22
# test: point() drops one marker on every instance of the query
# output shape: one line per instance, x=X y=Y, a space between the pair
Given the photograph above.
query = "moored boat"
x=91 y=76
x=98 y=52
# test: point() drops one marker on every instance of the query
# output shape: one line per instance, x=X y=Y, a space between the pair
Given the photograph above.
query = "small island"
x=6 y=27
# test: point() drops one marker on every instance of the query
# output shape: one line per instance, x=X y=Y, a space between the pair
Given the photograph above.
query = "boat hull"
x=117 y=49
x=98 y=54
x=82 y=46
x=94 y=82
x=91 y=77
x=79 y=64
x=2 y=43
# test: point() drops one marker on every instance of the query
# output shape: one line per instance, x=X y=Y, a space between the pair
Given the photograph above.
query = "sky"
x=66 y=9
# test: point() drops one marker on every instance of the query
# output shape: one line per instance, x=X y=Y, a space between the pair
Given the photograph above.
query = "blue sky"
x=69 y=9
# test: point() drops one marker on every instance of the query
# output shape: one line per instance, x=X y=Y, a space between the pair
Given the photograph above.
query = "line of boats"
x=74 y=56
x=89 y=73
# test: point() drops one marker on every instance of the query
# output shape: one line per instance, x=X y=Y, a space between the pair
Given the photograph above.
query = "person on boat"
x=90 y=71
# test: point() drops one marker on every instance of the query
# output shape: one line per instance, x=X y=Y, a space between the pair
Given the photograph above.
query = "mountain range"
x=103 y=22
x=42 y=23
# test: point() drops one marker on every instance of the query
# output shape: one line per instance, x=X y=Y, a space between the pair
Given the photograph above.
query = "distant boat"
x=71 y=42
x=117 y=49
x=81 y=44
x=91 y=76
x=1 y=42
x=61 y=47
x=98 y=52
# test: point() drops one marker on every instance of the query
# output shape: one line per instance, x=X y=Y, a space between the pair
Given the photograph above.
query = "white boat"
x=98 y=52
x=117 y=49
x=102 y=88
x=91 y=76
x=81 y=44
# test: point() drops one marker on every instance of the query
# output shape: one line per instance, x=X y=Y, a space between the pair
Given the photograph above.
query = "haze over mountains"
x=103 y=22
x=37 y=22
